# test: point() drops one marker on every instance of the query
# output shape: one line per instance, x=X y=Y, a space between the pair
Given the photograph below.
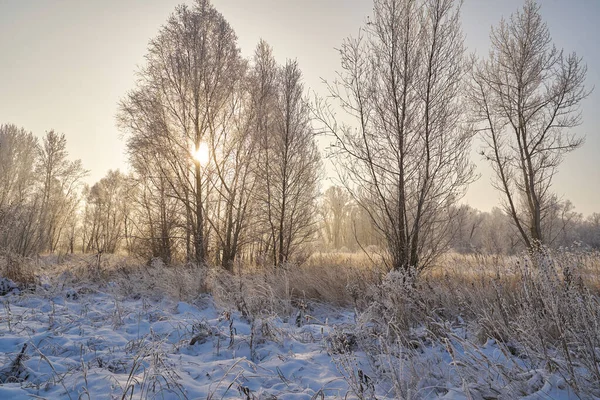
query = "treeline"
x=225 y=167
x=40 y=192
x=46 y=207
x=494 y=232
x=345 y=227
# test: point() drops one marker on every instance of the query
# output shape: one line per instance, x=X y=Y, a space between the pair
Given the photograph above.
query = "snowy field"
x=99 y=343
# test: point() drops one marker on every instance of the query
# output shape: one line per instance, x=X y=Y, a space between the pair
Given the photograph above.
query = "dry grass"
x=542 y=307
x=124 y=275
x=545 y=306
x=18 y=269
x=325 y=278
x=334 y=278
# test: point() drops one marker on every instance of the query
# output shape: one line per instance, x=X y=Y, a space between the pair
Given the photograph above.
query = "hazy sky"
x=64 y=65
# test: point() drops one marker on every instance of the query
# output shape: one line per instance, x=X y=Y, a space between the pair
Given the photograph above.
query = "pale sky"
x=65 y=64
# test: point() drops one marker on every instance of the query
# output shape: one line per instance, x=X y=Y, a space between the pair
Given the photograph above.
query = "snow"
x=99 y=344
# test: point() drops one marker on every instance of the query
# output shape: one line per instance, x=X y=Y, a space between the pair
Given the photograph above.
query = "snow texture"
x=86 y=343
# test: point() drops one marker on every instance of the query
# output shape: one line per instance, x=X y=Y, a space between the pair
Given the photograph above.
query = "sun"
x=201 y=154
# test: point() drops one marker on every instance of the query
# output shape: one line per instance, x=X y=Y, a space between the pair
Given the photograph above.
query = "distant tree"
x=589 y=231
x=406 y=161
x=19 y=201
x=17 y=158
x=106 y=213
x=559 y=222
x=526 y=98
x=362 y=232
x=335 y=209
x=467 y=230
x=61 y=181
x=475 y=231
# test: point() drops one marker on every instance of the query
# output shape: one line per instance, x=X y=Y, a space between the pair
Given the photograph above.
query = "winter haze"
x=68 y=70
x=284 y=200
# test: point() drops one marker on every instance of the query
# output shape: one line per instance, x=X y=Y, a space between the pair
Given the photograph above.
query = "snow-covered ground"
x=97 y=344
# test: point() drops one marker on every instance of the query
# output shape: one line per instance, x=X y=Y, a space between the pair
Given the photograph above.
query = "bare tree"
x=61 y=180
x=467 y=233
x=17 y=157
x=263 y=89
x=40 y=191
x=18 y=199
x=106 y=213
x=559 y=222
x=406 y=158
x=589 y=231
x=233 y=149
x=289 y=161
x=526 y=97
x=158 y=201
x=192 y=69
x=335 y=209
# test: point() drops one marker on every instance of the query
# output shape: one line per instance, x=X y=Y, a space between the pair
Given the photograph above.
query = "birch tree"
x=526 y=97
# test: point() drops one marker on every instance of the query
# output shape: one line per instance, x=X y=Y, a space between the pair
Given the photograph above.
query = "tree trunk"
x=199 y=238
